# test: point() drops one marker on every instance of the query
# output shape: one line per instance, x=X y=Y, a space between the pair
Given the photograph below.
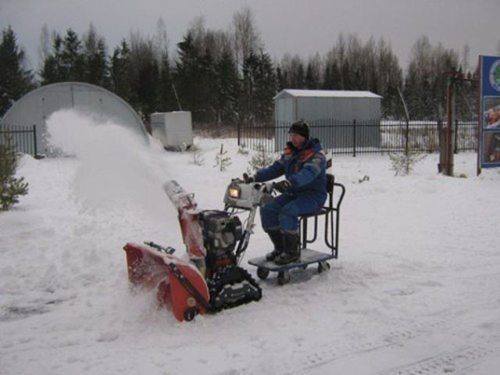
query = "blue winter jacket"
x=305 y=168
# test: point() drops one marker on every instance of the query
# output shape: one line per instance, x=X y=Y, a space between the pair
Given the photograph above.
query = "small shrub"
x=260 y=160
x=198 y=158
x=222 y=159
x=10 y=187
x=403 y=164
x=242 y=150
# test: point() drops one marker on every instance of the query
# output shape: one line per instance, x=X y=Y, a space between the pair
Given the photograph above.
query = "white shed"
x=330 y=113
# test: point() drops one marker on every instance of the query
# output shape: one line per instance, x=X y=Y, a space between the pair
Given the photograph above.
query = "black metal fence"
x=361 y=137
x=23 y=139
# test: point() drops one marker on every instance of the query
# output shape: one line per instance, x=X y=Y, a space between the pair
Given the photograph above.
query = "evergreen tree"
x=332 y=78
x=95 y=59
x=120 y=72
x=259 y=88
x=390 y=80
x=281 y=78
x=206 y=98
x=226 y=88
x=10 y=187
x=15 y=81
x=167 y=100
x=313 y=73
x=189 y=76
x=144 y=76
x=52 y=70
x=72 y=58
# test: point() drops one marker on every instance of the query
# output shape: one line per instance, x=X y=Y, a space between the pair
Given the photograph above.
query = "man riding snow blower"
x=303 y=192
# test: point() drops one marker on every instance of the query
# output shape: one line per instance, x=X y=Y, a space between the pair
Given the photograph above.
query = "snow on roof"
x=327 y=93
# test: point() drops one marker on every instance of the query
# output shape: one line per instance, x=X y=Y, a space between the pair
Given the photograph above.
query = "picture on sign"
x=491 y=112
x=491 y=147
x=489 y=128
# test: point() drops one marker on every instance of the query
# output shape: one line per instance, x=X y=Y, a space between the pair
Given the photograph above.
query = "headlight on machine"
x=234 y=192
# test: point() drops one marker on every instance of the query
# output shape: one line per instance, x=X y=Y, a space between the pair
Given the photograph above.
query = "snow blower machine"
x=211 y=279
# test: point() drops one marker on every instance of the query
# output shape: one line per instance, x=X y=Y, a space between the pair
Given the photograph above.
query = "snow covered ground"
x=415 y=289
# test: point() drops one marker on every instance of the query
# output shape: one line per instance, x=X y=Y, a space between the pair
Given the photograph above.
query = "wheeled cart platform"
x=307 y=257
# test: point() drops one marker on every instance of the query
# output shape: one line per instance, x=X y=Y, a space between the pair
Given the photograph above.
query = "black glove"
x=248 y=179
x=282 y=186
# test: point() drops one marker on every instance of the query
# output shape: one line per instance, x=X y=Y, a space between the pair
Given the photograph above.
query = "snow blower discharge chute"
x=215 y=241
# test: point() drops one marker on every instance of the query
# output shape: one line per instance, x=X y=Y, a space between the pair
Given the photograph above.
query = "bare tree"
x=160 y=40
x=465 y=58
x=44 y=47
x=246 y=36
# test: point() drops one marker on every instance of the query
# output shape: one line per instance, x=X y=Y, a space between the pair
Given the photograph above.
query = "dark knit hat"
x=300 y=128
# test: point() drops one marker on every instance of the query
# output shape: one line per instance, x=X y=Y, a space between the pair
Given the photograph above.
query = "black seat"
x=328 y=211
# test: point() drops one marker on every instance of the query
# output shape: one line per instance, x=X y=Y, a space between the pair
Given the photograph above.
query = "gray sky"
x=293 y=26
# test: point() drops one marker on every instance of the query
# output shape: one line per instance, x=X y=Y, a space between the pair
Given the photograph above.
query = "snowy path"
x=414 y=291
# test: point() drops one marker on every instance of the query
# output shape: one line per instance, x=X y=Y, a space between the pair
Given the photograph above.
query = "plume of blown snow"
x=117 y=169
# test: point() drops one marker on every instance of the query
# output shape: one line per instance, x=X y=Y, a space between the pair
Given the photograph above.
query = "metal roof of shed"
x=326 y=94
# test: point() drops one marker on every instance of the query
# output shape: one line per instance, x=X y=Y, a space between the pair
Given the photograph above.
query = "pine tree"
x=166 y=101
x=222 y=159
x=144 y=76
x=281 y=78
x=259 y=88
x=10 y=187
x=120 y=72
x=72 y=58
x=226 y=88
x=331 y=80
x=95 y=59
x=15 y=81
x=52 y=70
x=312 y=76
x=189 y=76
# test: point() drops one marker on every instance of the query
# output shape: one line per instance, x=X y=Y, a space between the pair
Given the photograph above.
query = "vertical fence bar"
x=35 y=150
x=407 y=134
x=238 y=131
x=354 y=138
x=455 y=145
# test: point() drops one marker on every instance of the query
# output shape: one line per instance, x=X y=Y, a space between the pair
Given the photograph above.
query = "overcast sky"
x=293 y=26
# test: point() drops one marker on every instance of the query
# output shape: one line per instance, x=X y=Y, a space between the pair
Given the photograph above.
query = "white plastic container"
x=173 y=129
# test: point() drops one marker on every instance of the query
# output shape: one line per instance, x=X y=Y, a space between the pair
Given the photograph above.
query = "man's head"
x=299 y=133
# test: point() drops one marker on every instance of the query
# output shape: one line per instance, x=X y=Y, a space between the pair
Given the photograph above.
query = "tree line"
x=227 y=77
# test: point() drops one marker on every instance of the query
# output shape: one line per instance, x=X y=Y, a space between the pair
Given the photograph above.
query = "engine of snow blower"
x=221 y=233
x=225 y=238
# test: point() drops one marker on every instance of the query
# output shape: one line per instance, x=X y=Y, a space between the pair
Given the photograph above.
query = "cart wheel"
x=323 y=266
x=283 y=277
x=262 y=273
x=190 y=313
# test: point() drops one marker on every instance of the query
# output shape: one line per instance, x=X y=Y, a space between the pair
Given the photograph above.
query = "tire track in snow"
x=340 y=349
x=445 y=362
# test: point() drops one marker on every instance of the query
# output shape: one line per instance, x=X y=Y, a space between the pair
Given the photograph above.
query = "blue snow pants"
x=284 y=210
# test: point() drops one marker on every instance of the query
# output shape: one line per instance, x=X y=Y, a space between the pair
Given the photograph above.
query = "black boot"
x=291 y=243
x=276 y=236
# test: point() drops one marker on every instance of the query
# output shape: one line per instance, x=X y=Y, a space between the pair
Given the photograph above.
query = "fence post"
x=34 y=141
x=455 y=148
x=354 y=138
x=239 y=132
x=407 y=135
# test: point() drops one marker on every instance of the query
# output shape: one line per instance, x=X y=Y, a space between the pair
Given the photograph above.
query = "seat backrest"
x=330 y=180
